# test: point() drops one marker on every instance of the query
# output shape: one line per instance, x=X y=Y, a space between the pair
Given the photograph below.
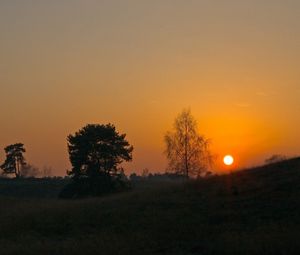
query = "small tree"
x=46 y=172
x=15 y=160
x=275 y=159
x=187 y=151
x=30 y=171
x=95 y=153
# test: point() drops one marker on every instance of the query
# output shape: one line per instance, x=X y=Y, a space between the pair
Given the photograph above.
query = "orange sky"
x=137 y=64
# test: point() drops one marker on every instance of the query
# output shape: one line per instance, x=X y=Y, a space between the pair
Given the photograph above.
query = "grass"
x=249 y=212
x=32 y=187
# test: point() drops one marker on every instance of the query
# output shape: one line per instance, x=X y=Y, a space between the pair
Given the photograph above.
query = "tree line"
x=96 y=153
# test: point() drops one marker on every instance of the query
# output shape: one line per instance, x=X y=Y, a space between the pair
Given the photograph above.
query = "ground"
x=250 y=212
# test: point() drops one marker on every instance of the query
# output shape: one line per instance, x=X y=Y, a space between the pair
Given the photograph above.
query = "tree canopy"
x=187 y=151
x=14 y=159
x=97 y=149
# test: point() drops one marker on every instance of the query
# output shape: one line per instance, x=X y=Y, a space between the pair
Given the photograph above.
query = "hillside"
x=249 y=212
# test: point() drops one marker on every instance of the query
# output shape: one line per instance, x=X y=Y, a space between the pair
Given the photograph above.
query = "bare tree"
x=145 y=173
x=187 y=151
x=30 y=171
x=47 y=171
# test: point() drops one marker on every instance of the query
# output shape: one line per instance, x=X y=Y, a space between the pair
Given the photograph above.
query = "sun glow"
x=228 y=160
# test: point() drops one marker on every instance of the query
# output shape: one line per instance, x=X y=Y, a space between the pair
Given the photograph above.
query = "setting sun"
x=228 y=160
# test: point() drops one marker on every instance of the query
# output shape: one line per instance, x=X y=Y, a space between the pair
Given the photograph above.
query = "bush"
x=94 y=186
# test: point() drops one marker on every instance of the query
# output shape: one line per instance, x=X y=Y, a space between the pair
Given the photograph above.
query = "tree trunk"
x=17 y=170
x=186 y=152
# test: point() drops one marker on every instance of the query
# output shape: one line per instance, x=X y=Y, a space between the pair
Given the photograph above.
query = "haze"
x=137 y=64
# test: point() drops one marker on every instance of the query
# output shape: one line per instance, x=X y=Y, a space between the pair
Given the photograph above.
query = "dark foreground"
x=251 y=212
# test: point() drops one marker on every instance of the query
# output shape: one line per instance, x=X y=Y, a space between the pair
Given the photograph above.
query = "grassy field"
x=251 y=212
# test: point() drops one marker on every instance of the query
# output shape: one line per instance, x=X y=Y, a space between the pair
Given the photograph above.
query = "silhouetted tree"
x=275 y=158
x=95 y=152
x=97 y=149
x=135 y=177
x=15 y=160
x=187 y=151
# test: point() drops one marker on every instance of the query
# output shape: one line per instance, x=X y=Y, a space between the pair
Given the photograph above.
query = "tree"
x=187 y=151
x=275 y=159
x=15 y=160
x=46 y=172
x=145 y=173
x=97 y=149
x=95 y=152
x=30 y=171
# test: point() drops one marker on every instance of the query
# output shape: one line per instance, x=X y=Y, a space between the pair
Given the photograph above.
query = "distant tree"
x=47 y=171
x=187 y=151
x=29 y=170
x=95 y=152
x=275 y=158
x=133 y=176
x=145 y=173
x=15 y=160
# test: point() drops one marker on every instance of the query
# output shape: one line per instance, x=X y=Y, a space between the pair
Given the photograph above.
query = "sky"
x=138 y=63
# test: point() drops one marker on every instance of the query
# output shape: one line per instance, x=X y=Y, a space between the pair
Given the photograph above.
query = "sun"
x=228 y=160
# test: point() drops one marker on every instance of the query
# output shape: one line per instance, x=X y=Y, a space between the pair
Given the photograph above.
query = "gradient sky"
x=138 y=63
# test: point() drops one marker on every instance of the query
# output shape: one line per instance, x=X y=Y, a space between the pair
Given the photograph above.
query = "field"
x=249 y=212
